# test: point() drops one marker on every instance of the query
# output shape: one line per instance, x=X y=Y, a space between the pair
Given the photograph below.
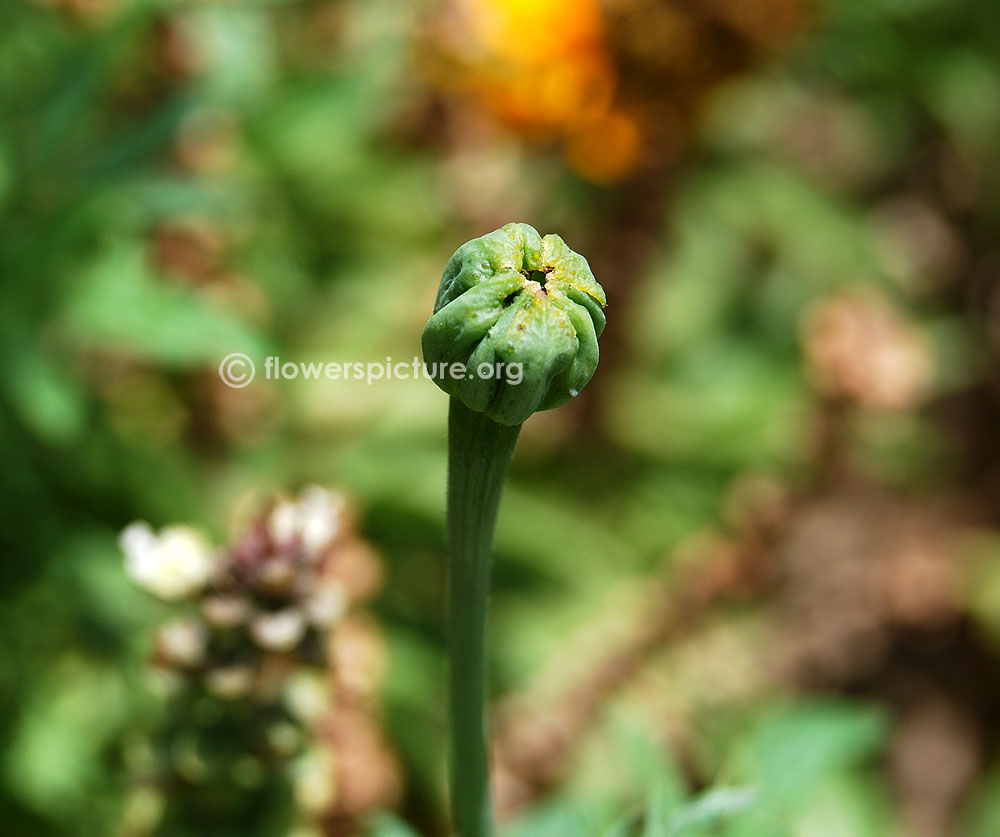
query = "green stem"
x=479 y=452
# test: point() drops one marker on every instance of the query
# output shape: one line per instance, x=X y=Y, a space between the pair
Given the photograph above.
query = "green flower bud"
x=525 y=307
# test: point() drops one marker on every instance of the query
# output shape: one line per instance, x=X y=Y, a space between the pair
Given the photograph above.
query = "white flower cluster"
x=313 y=520
x=174 y=564
x=255 y=627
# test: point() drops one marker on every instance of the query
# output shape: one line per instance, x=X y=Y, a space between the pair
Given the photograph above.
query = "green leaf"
x=386 y=825
x=982 y=817
x=792 y=752
x=44 y=395
x=122 y=306
x=566 y=817
x=710 y=809
x=54 y=760
x=657 y=775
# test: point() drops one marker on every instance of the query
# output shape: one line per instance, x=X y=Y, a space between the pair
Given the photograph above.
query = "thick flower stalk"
x=514 y=331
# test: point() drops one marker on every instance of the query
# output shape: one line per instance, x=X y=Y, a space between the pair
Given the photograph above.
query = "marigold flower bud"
x=512 y=300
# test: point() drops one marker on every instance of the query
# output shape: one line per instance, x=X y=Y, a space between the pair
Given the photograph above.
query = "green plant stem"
x=479 y=453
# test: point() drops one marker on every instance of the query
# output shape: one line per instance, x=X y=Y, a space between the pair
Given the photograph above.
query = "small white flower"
x=312 y=521
x=307 y=696
x=315 y=779
x=225 y=611
x=230 y=682
x=321 y=516
x=175 y=564
x=277 y=575
x=326 y=604
x=279 y=631
x=182 y=642
x=284 y=737
x=283 y=522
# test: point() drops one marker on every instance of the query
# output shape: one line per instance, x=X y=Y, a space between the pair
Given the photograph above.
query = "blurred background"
x=747 y=584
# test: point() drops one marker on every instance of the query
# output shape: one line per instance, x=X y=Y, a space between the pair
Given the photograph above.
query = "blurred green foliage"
x=181 y=181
